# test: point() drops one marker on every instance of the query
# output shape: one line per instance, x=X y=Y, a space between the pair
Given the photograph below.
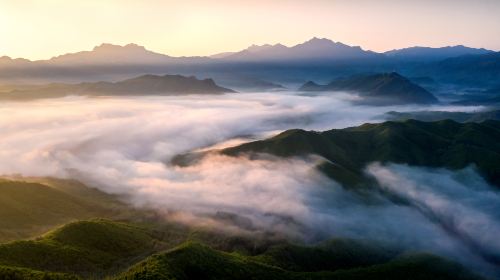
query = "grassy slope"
x=436 y=144
x=33 y=206
x=99 y=248
x=86 y=248
x=196 y=261
x=329 y=256
x=16 y=273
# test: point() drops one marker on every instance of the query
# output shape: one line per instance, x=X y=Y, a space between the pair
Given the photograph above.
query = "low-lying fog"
x=124 y=146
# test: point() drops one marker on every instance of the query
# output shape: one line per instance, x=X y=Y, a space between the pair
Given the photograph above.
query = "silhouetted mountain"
x=316 y=59
x=386 y=88
x=472 y=70
x=143 y=85
x=107 y=61
x=433 y=54
x=6 y=61
x=432 y=144
x=314 y=49
x=109 y=54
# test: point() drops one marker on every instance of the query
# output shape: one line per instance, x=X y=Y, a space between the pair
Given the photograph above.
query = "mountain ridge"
x=445 y=144
x=383 y=88
x=431 y=54
x=142 y=85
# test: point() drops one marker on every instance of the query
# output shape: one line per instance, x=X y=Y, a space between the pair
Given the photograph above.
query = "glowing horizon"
x=36 y=29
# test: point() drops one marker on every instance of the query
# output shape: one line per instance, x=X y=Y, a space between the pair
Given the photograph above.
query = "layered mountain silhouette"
x=118 y=55
x=314 y=49
x=475 y=70
x=315 y=59
x=383 y=89
x=434 y=54
x=142 y=85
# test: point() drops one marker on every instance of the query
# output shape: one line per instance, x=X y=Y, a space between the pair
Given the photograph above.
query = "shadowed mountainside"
x=196 y=261
x=430 y=116
x=385 y=88
x=316 y=59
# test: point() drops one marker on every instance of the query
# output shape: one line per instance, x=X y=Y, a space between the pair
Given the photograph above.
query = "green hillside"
x=197 y=261
x=432 y=144
x=16 y=273
x=105 y=249
x=33 y=206
x=331 y=255
x=86 y=248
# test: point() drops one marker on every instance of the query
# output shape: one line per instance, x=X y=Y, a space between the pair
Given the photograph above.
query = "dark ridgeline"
x=143 y=85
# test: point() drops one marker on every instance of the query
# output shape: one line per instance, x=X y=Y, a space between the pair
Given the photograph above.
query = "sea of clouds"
x=125 y=146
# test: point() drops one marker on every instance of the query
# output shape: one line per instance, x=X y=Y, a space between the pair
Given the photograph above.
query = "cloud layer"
x=125 y=145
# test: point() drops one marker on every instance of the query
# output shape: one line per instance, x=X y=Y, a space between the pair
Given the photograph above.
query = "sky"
x=40 y=29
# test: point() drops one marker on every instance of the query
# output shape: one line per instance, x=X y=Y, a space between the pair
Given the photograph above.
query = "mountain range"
x=315 y=59
x=315 y=49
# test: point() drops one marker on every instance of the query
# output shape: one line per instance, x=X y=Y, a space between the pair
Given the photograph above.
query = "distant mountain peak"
x=113 y=47
x=378 y=89
x=316 y=39
x=314 y=49
x=257 y=48
x=107 y=53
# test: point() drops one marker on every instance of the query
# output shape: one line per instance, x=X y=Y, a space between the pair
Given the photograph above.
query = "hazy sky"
x=39 y=29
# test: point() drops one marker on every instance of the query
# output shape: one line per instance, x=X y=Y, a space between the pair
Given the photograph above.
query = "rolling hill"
x=378 y=89
x=17 y=273
x=93 y=247
x=433 y=144
x=29 y=207
x=197 y=261
x=99 y=248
